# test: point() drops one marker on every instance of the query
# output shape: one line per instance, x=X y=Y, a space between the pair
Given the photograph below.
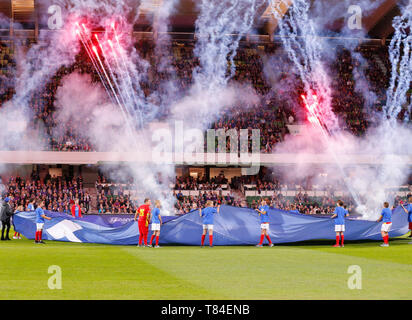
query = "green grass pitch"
x=311 y=270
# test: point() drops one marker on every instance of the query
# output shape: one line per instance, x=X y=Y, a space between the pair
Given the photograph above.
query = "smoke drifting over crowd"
x=116 y=113
x=387 y=143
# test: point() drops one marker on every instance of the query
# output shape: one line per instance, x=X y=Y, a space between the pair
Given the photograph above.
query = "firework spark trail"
x=148 y=179
x=122 y=108
x=131 y=100
x=89 y=53
x=306 y=55
x=101 y=71
x=307 y=59
x=401 y=60
x=113 y=76
x=313 y=118
x=217 y=23
x=121 y=89
x=107 y=76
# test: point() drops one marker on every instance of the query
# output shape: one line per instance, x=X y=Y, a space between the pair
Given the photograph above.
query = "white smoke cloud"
x=387 y=145
x=368 y=185
x=220 y=26
x=86 y=107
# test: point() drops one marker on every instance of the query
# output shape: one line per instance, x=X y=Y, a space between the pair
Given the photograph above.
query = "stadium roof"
x=27 y=14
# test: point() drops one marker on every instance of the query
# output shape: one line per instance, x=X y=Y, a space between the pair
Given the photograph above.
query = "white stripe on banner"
x=63 y=229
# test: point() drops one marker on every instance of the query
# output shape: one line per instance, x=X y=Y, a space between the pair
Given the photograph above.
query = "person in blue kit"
x=207 y=215
x=30 y=207
x=40 y=216
x=408 y=211
x=264 y=222
x=339 y=215
x=386 y=218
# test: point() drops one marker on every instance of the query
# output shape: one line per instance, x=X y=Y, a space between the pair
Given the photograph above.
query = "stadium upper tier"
x=273 y=113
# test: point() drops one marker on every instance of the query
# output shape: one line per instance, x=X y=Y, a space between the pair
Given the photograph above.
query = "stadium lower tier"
x=232 y=226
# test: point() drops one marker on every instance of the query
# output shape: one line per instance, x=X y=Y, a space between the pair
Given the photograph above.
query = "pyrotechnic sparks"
x=86 y=46
x=311 y=108
x=109 y=81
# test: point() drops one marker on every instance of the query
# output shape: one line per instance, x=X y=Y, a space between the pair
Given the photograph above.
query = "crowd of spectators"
x=271 y=115
x=117 y=197
x=185 y=204
x=200 y=183
x=321 y=203
x=302 y=202
x=114 y=197
x=59 y=193
x=272 y=112
x=305 y=204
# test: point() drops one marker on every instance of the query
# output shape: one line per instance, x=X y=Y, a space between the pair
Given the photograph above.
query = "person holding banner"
x=339 y=216
x=17 y=235
x=144 y=217
x=30 y=207
x=207 y=215
x=408 y=211
x=386 y=218
x=264 y=223
x=40 y=216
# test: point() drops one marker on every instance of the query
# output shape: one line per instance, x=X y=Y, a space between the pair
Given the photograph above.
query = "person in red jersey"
x=76 y=210
x=143 y=212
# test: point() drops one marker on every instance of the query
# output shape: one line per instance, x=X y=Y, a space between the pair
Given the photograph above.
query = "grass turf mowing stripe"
x=284 y=272
x=400 y=250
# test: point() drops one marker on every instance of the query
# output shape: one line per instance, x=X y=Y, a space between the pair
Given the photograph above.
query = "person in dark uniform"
x=5 y=215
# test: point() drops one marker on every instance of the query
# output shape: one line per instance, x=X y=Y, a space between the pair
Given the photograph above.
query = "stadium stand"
x=59 y=193
x=271 y=116
x=119 y=197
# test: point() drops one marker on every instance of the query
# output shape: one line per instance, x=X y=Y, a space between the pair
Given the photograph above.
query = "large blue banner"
x=232 y=226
